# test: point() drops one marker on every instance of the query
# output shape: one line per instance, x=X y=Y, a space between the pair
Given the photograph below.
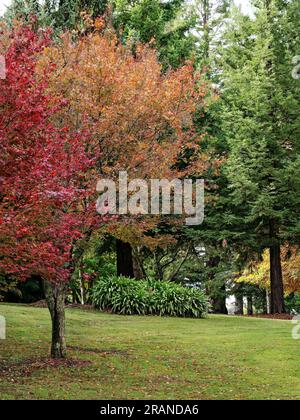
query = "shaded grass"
x=114 y=357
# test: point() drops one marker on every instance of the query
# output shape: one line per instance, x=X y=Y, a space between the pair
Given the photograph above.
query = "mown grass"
x=149 y=358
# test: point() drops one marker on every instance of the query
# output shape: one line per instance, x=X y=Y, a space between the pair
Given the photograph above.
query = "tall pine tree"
x=262 y=124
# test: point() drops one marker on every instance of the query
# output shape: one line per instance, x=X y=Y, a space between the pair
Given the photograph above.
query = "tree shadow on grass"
x=15 y=371
x=110 y=352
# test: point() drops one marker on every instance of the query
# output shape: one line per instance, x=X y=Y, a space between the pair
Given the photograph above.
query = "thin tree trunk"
x=159 y=275
x=268 y=302
x=250 y=305
x=124 y=259
x=81 y=286
x=239 y=305
x=277 y=290
x=206 y=28
x=55 y=296
x=138 y=269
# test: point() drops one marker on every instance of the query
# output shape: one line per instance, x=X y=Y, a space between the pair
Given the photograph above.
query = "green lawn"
x=149 y=358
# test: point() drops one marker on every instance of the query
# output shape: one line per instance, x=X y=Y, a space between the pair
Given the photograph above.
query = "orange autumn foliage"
x=141 y=119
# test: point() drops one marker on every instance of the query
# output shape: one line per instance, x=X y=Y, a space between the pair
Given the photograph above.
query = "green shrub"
x=134 y=297
x=292 y=303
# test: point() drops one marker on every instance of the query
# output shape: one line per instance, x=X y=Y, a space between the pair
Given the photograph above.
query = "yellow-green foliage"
x=259 y=274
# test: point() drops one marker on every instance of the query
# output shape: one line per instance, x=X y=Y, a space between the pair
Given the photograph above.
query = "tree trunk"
x=219 y=303
x=55 y=296
x=219 y=296
x=81 y=286
x=138 y=270
x=250 y=305
x=124 y=259
x=268 y=302
x=239 y=305
x=277 y=290
x=159 y=275
x=206 y=30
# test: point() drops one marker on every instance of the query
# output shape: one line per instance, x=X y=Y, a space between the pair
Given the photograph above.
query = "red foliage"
x=43 y=169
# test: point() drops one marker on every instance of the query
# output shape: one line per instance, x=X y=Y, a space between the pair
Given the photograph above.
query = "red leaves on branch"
x=43 y=169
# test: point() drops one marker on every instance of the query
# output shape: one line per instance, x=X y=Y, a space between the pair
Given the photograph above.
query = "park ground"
x=114 y=357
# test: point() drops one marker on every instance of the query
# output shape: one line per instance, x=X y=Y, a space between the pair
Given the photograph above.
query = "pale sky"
x=3 y=4
x=243 y=3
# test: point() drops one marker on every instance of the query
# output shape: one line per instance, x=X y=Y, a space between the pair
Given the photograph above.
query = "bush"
x=292 y=304
x=134 y=297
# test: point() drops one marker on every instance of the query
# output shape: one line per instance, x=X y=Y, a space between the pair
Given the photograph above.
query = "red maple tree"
x=44 y=171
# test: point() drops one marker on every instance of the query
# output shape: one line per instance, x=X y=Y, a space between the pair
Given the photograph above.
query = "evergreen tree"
x=167 y=23
x=262 y=124
x=59 y=14
x=211 y=16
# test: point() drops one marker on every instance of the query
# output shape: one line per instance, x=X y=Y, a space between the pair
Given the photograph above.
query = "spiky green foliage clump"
x=130 y=297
